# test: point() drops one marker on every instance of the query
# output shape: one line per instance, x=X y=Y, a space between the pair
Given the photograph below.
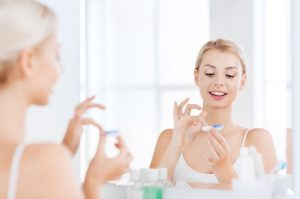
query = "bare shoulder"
x=165 y=136
x=45 y=151
x=47 y=156
x=263 y=141
x=47 y=169
x=258 y=135
x=162 y=143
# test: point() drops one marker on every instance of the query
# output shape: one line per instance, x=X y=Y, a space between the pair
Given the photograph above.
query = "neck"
x=219 y=116
x=13 y=106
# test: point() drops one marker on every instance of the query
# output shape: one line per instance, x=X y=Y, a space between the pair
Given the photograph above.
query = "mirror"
x=140 y=58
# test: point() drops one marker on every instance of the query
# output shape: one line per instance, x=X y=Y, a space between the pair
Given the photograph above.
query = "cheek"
x=54 y=70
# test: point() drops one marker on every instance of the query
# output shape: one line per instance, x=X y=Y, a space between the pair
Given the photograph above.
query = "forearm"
x=225 y=174
x=90 y=189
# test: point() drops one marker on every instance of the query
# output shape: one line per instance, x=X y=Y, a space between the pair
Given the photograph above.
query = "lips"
x=217 y=95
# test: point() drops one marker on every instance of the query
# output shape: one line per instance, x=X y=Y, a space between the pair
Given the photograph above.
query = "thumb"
x=101 y=143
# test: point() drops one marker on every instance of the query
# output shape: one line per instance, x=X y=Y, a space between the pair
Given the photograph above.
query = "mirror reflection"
x=144 y=55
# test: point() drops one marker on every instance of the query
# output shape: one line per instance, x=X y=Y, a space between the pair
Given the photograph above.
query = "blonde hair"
x=222 y=45
x=23 y=24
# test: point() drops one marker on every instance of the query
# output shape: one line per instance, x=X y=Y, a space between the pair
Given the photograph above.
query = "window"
x=140 y=58
x=277 y=76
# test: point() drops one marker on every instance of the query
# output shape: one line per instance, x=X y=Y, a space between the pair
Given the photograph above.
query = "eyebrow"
x=227 y=68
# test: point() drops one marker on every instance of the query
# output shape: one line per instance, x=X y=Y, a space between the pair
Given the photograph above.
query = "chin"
x=220 y=105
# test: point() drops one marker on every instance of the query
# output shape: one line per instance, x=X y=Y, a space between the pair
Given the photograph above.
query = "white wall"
x=295 y=92
x=49 y=123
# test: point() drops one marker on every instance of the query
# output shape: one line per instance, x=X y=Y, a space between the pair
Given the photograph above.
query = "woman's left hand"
x=219 y=156
x=75 y=126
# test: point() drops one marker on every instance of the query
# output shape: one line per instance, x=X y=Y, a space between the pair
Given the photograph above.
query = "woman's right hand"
x=103 y=168
x=185 y=125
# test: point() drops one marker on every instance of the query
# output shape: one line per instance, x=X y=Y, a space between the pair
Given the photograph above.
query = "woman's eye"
x=209 y=74
x=229 y=76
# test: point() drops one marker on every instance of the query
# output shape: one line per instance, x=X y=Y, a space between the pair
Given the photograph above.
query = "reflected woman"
x=192 y=155
x=29 y=68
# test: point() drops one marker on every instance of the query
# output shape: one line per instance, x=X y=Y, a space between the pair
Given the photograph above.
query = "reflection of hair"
x=23 y=24
x=223 y=46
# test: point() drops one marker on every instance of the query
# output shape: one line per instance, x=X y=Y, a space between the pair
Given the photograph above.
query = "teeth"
x=217 y=93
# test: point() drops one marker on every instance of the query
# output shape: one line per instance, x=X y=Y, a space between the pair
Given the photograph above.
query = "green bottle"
x=152 y=188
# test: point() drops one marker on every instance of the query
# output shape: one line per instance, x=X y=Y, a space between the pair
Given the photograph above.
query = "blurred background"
x=137 y=57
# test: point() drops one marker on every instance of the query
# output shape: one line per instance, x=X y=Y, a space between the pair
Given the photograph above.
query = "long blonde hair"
x=222 y=45
x=23 y=24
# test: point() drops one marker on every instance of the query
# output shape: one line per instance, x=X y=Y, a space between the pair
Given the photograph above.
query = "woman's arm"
x=262 y=140
x=172 y=143
x=219 y=157
x=166 y=154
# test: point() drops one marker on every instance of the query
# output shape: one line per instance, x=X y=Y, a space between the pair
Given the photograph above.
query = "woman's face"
x=47 y=68
x=219 y=78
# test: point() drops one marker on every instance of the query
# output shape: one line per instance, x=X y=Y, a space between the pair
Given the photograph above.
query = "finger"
x=200 y=121
x=95 y=105
x=190 y=107
x=213 y=155
x=203 y=114
x=86 y=104
x=181 y=105
x=101 y=143
x=90 y=121
x=117 y=145
x=218 y=136
x=121 y=142
x=82 y=108
x=217 y=146
x=81 y=104
x=175 y=111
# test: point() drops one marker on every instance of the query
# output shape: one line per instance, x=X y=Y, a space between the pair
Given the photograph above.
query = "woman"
x=29 y=67
x=194 y=156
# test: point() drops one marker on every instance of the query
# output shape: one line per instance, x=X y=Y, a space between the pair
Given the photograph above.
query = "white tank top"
x=14 y=171
x=183 y=173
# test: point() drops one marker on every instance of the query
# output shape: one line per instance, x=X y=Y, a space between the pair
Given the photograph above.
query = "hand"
x=102 y=168
x=74 y=130
x=185 y=125
x=219 y=151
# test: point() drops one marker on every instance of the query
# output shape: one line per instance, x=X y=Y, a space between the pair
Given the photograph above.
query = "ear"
x=26 y=63
x=243 y=82
x=196 y=75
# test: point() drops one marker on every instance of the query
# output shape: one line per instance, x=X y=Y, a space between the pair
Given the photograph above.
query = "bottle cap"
x=149 y=174
x=244 y=151
x=252 y=150
x=163 y=173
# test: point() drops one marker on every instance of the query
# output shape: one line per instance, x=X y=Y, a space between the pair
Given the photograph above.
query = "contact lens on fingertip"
x=218 y=126
x=112 y=132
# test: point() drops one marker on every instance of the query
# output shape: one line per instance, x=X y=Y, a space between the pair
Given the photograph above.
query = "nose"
x=219 y=82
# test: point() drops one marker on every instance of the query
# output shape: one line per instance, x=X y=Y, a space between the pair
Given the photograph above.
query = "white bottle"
x=258 y=162
x=134 y=185
x=245 y=166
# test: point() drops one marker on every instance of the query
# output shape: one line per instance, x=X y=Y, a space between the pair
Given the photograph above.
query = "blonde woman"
x=29 y=67
x=192 y=156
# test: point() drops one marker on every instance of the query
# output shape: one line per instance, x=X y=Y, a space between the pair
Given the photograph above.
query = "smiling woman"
x=191 y=156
